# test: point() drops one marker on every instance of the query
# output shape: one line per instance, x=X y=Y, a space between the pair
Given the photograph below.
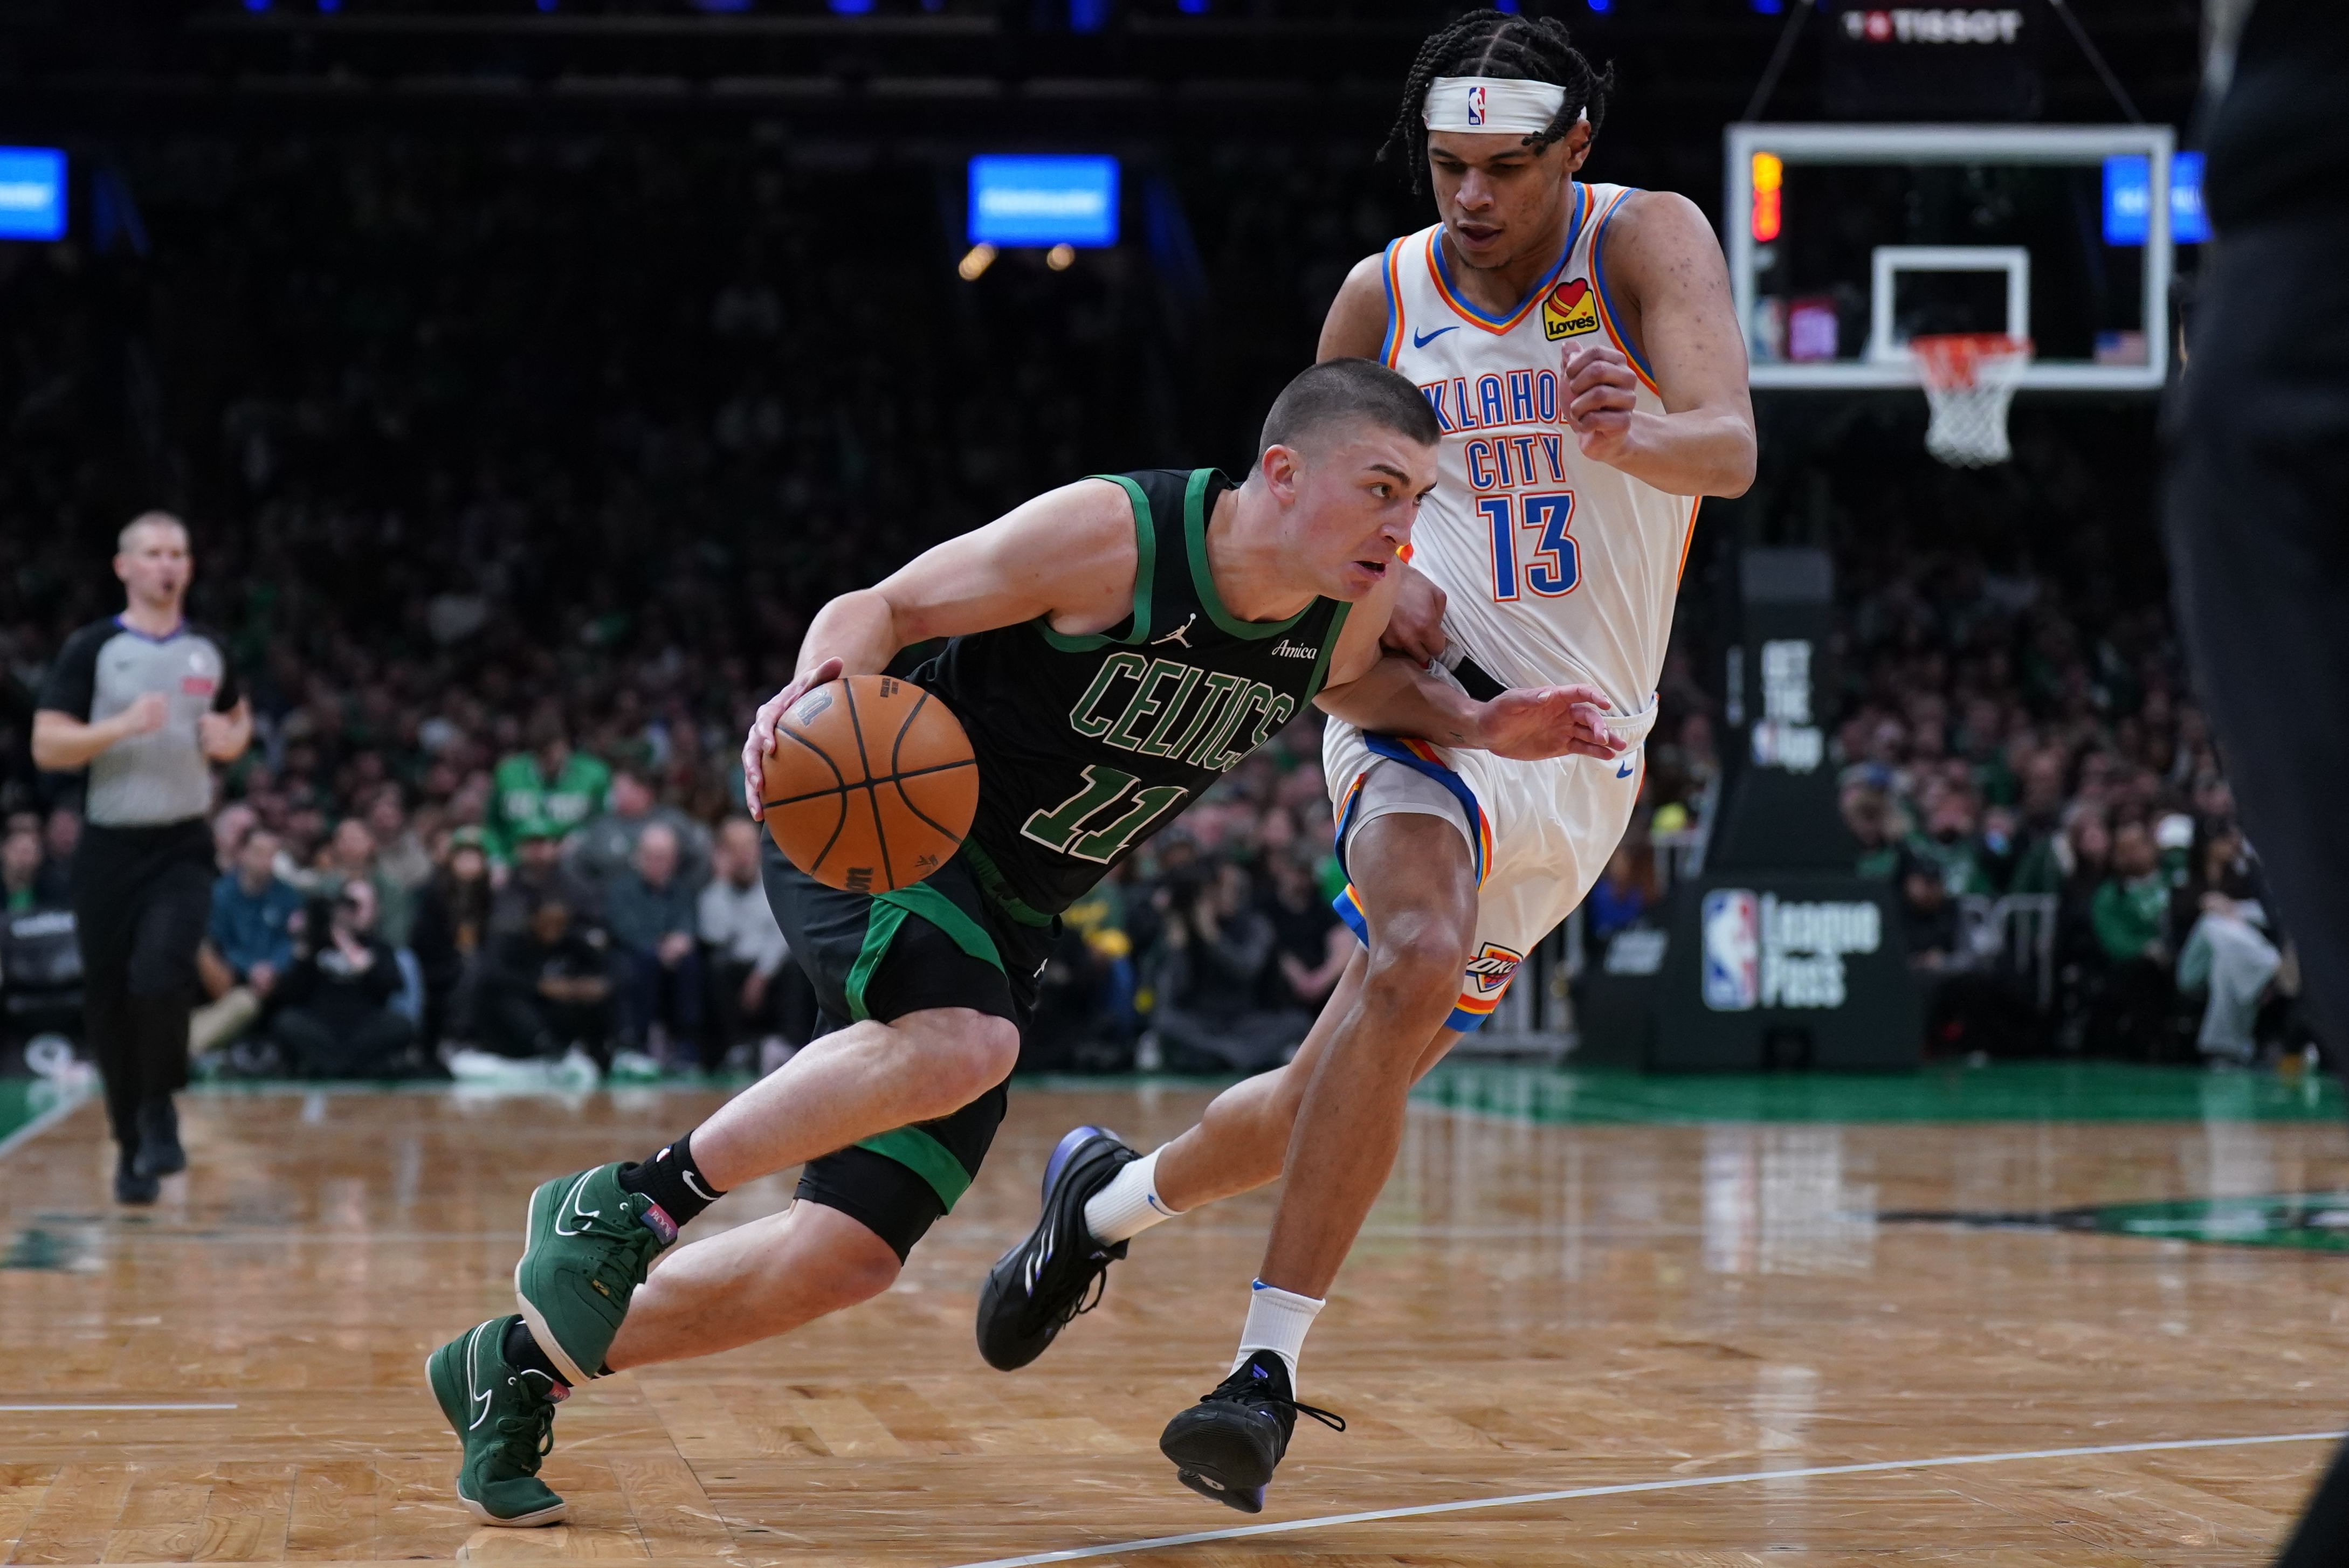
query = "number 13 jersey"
x=1554 y=567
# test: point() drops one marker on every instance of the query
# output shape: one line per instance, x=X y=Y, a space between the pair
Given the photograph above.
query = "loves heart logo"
x=1570 y=310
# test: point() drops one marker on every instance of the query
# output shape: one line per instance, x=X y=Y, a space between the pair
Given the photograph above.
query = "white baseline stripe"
x=1078 y=1553
x=42 y=1122
x=117 y=1407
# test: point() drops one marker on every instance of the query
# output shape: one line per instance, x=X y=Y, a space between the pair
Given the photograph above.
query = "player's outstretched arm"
x=1663 y=256
x=1067 y=554
x=1397 y=696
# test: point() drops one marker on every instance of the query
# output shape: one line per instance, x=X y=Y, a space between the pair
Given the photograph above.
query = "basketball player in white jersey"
x=1578 y=346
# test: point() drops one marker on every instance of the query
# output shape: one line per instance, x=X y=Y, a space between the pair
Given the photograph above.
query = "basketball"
x=871 y=785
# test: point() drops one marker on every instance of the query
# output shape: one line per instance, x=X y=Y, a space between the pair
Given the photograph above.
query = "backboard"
x=1846 y=241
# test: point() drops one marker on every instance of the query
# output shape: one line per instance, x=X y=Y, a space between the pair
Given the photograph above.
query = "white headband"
x=1499 y=104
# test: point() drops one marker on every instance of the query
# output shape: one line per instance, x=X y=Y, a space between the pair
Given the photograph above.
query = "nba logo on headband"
x=1491 y=105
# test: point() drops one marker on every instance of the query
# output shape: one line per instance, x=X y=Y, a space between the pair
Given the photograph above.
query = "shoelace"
x=1233 y=1392
x=639 y=1243
x=1086 y=1301
x=528 y=1438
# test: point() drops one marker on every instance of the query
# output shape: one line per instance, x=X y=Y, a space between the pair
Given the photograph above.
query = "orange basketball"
x=871 y=785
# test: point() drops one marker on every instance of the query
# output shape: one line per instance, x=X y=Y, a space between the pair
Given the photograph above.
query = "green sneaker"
x=505 y=1421
x=587 y=1249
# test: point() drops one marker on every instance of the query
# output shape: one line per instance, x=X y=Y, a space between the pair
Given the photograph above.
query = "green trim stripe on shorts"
x=909 y=1146
x=925 y=1157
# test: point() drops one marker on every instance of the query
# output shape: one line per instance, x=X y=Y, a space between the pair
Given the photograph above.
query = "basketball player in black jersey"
x=1116 y=647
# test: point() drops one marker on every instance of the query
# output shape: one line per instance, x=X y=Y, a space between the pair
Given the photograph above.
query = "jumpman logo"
x=1180 y=633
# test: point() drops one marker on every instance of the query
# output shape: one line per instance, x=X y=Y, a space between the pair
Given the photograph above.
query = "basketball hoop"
x=1970 y=378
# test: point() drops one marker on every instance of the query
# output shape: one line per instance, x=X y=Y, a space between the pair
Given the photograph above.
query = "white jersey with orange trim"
x=1554 y=567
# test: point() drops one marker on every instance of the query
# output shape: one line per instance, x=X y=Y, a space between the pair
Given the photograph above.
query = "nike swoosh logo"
x=1624 y=771
x=572 y=1203
x=1420 y=340
x=481 y=1396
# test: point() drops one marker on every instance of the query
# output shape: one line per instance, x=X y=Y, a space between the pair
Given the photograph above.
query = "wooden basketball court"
x=1677 y=1342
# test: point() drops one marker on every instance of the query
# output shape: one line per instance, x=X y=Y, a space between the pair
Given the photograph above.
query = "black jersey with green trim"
x=1087 y=745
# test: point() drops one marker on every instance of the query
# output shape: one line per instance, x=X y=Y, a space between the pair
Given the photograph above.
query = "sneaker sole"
x=1246 y=1499
x=553 y=1515
x=531 y=1316
x=1214 y=1466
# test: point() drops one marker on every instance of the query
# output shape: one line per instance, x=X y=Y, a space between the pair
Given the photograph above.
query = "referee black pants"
x=2258 y=537
x=142 y=898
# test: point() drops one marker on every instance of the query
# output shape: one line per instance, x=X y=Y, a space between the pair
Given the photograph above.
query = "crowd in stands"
x=1994 y=748
x=511 y=511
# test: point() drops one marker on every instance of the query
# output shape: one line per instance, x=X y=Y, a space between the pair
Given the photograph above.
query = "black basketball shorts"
x=942 y=943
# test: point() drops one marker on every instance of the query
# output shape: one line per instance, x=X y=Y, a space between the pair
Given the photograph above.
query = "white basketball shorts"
x=1539 y=835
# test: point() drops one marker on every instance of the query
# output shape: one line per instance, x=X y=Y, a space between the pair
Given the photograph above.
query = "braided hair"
x=1498 y=44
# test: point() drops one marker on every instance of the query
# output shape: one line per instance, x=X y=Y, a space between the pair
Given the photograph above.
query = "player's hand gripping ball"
x=871 y=785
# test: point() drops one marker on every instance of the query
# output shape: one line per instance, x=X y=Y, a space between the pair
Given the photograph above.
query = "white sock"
x=1277 y=1320
x=1129 y=1204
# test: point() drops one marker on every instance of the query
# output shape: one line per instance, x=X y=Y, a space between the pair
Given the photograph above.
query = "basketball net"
x=1970 y=378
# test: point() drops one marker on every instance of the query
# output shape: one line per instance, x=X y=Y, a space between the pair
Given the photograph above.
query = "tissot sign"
x=1908 y=26
x=1932 y=62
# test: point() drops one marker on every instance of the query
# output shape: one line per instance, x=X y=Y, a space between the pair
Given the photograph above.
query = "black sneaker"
x=1039 y=1285
x=1226 y=1445
x=159 y=1153
x=133 y=1186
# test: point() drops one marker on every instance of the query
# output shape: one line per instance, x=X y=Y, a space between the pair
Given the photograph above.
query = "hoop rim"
x=1946 y=360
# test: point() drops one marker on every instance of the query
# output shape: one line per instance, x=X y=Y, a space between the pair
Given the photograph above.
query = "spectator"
x=254 y=918
x=1929 y=917
x=546 y=991
x=20 y=872
x=1951 y=841
x=754 y=989
x=229 y=829
x=549 y=791
x=658 y=966
x=401 y=860
x=335 y=1018
x=1217 y=947
x=1868 y=812
x=452 y=922
x=1310 y=947
x=602 y=852
x=351 y=856
x=539 y=874
x=2129 y=913
x=2226 y=952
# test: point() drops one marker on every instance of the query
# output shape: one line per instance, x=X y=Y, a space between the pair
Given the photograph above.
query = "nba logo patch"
x=1570 y=310
x=1489 y=970
x=1733 y=950
x=1475 y=106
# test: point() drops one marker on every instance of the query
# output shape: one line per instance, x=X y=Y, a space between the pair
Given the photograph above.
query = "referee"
x=146 y=703
x=2258 y=428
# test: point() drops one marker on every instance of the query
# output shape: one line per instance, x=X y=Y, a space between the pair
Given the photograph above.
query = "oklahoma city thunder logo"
x=1490 y=970
x=1475 y=106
